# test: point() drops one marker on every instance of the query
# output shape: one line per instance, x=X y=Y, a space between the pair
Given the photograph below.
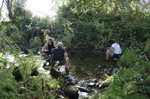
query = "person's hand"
x=52 y=49
x=67 y=66
x=42 y=50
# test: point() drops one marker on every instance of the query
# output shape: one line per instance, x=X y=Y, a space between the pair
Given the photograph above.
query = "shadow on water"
x=88 y=65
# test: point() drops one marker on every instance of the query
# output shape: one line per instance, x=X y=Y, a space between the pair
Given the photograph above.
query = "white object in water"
x=62 y=68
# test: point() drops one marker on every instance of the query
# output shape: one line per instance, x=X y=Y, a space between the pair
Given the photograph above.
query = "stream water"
x=88 y=65
x=83 y=66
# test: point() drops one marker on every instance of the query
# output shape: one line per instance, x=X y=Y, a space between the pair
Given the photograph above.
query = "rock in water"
x=54 y=73
x=91 y=84
x=105 y=83
x=71 y=92
x=83 y=89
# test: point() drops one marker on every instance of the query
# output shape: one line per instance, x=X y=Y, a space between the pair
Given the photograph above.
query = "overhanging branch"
x=2 y=5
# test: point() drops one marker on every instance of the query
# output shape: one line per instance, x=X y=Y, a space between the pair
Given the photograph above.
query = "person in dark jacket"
x=50 y=45
x=60 y=55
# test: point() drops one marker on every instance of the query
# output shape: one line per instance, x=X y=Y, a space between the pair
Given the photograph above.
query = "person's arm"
x=65 y=55
x=55 y=45
x=65 y=52
x=45 y=46
x=112 y=49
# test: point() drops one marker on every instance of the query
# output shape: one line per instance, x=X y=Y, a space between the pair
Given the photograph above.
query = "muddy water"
x=88 y=65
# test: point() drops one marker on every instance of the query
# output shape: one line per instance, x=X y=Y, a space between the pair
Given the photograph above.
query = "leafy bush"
x=12 y=31
x=125 y=84
x=39 y=86
x=129 y=58
x=131 y=80
x=35 y=44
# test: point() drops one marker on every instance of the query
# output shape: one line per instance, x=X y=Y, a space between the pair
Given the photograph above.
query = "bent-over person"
x=59 y=54
x=115 y=51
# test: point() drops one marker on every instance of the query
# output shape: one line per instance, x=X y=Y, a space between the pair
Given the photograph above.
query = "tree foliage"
x=80 y=24
x=100 y=20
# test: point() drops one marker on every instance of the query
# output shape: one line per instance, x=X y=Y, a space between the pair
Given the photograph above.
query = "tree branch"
x=146 y=5
x=2 y=5
x=5 y=2
x=9 y=8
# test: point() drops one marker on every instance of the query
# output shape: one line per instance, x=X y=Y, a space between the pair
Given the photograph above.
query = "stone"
x=83 y=89
x=54 y=73
x=71 y=91
x=105 y=83
x=91 y=84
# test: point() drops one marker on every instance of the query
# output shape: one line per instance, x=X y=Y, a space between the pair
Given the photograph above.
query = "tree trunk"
x=2 y=5
x=9 y=7
x=10 y=13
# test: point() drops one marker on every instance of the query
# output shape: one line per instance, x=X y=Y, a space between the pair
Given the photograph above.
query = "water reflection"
x=88 y=65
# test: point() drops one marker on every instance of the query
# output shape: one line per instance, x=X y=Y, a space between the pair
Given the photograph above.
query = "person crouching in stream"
x=60 y=54
x=115 y=51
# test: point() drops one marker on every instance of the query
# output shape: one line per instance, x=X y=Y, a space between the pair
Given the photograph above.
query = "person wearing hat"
x=50 y=45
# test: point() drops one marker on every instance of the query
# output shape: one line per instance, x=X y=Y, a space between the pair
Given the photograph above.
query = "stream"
x=84 y=66
x=88 y=65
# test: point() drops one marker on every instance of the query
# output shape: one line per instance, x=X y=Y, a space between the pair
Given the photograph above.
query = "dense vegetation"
x=80 y=24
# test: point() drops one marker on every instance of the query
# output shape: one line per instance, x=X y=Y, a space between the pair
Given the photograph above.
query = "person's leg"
x=109 y=54
x=67 y=62
x=46 y=55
